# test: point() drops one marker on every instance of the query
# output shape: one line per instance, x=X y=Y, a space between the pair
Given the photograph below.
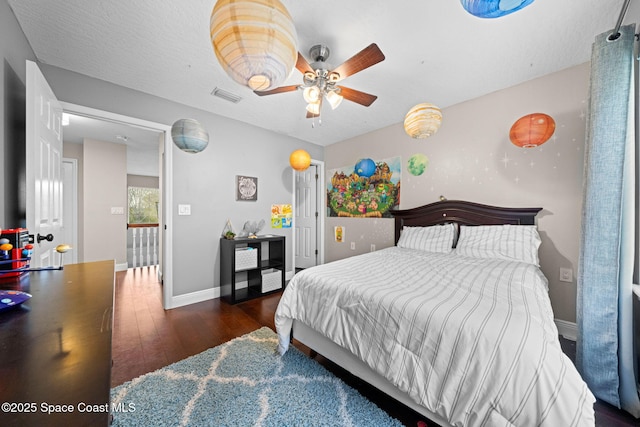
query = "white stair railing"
x=144 y=245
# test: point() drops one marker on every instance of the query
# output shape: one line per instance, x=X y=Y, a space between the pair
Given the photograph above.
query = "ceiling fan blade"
x=357 y=96
x=367 y=57
x=303 y=65
x=310 y=115
x=280 y=89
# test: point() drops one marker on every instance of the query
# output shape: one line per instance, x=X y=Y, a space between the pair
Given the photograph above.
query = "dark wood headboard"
x=461 y=212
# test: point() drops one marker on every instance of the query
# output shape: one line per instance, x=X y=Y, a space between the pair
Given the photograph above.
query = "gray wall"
x=204 y=180
x=472 y=158
x=14 y=50
x=105 y=187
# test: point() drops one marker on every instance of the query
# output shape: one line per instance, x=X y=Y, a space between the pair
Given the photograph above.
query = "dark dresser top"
x=55 y=349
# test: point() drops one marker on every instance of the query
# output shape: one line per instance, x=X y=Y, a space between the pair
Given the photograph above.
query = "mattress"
x=472 y=340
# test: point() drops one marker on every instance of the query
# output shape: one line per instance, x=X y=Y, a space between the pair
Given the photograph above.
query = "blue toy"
x=9 y=299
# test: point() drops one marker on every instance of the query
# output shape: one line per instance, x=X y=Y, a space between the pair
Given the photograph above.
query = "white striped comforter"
x=472 y=340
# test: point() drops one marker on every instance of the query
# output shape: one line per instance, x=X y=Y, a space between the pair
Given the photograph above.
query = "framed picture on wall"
x=246 y=188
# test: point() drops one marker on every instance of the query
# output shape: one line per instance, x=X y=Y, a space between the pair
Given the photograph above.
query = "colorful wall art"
x=281 y=216
x=353 y=195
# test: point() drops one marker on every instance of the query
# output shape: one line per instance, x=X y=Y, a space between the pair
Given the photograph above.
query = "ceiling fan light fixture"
x=314 y=108
x=311 y=94
x=334 y=99
x=255 y=41
x=334 y=77
x=320 y=79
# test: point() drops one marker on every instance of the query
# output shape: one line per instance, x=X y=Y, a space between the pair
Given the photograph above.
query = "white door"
x=306 y=220
x=69 y=231
x=44 y=167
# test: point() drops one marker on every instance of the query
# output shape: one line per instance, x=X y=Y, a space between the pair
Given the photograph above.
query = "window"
x=143 y=205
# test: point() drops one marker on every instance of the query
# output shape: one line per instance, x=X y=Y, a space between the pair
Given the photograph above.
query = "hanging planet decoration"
x=417 y=164
x=300 y=160
x=255 y=41
x=189 y=135
x=422 y=121
x=532 y=130
x=365 y=168
x=493 y=8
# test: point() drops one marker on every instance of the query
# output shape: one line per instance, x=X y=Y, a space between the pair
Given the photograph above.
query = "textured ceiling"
x=435 y=52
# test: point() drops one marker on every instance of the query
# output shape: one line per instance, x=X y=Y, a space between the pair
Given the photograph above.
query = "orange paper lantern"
x=532 y=130
x=300 y=160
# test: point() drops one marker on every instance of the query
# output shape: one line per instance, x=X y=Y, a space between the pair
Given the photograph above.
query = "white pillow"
x=510 y=242
x=434 y=238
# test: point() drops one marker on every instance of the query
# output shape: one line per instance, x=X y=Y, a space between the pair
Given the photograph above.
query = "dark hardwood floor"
x=146 y=338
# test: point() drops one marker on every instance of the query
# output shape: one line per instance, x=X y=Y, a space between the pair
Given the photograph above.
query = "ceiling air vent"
x=226 y=95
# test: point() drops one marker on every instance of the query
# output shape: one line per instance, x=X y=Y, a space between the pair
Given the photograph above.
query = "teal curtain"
x=605 y=348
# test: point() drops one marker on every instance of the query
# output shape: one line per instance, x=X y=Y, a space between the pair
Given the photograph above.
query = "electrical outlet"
x=566 y=275
x=353 y=246
x=373 y=247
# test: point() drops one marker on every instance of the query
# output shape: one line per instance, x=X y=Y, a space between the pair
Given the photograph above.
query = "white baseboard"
x=194 y=297
x=122 y=267
x=207 y=294
x=568 y=330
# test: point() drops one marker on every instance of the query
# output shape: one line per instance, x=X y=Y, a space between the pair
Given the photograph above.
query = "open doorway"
x=127 y=155
x=147 y=157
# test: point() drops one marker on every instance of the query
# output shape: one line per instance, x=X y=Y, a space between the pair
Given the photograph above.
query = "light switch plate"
x=117 y=210
x=184 y=209
x=566 y=275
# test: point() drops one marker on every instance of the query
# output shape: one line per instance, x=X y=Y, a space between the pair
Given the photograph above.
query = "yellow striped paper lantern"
x=255 y=41
x=422 y=121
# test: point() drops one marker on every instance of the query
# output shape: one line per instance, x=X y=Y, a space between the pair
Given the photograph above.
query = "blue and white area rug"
x=244 y=382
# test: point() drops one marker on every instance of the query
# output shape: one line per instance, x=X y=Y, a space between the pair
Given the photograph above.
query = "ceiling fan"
x=320 y=80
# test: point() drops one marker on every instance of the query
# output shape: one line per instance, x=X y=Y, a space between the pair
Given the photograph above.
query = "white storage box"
x=246 y=258
x=271 y=280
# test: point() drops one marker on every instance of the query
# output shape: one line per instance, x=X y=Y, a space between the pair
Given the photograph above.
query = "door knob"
x=48 y=237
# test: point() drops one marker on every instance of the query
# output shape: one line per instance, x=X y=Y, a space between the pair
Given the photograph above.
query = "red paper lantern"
x=532 y=130
x=300 y=160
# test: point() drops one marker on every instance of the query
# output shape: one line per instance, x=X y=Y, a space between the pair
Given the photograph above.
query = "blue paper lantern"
x=189 y=135
x=493 y=8
x=365 y=167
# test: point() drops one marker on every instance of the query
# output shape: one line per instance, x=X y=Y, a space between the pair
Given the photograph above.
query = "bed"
x=454 y=321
